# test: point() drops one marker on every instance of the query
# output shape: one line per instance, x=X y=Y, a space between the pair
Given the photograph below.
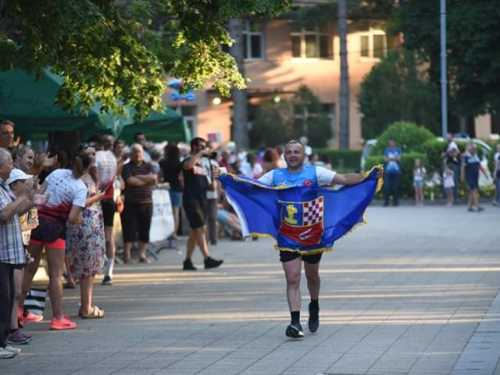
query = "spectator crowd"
x=67 y=206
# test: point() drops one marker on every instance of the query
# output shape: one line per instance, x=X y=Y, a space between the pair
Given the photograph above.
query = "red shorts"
x=57 y=244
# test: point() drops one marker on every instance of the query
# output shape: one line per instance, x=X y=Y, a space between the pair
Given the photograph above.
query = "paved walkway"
x=413 y=292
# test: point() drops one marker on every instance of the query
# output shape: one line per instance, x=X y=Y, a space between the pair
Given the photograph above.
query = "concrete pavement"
x=412 y=292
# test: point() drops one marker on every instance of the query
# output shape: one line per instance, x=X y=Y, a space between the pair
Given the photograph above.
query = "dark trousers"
x=391 y=187
x=6 y=300
x=212 y=232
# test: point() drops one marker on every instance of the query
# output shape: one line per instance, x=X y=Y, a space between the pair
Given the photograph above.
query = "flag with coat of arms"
x=303 y=219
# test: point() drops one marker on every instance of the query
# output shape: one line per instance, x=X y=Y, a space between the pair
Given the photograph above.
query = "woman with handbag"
x=67 y=194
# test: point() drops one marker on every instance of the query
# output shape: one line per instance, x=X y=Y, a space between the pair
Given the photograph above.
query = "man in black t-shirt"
x=195 y=204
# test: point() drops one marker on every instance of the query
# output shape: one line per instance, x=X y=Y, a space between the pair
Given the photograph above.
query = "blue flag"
x=302 y=219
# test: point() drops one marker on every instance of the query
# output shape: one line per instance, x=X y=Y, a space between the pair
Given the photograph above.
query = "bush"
x=342 y=160
x=433 y=149
x=408 y=135
x=407 y=164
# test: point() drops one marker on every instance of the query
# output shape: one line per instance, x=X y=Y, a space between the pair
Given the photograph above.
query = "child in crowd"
x=449 y=184
x=419 y=173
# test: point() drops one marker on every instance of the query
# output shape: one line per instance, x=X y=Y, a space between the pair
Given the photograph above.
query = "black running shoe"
x=212 y=263
x=313 y=322
x=188 y=265
x=294 y=331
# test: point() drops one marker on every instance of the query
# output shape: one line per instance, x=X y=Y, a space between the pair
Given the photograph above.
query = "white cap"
x=17 y=174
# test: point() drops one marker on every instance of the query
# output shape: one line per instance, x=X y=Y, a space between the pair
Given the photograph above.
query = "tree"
x=473 y=37
x=119 y=51
x=277 y=123
x=344 y=76
x=240 y=97
x=397 y=90
x=342 y=10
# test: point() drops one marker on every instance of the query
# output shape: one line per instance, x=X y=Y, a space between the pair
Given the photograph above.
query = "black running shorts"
x=287 y=256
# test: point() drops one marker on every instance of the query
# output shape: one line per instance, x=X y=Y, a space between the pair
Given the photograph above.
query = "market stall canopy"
x=158 y=127
x=29 y=103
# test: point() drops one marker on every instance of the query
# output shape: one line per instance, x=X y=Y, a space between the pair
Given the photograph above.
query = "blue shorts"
x=223 y=216
x=417 y=183
x=175 y=198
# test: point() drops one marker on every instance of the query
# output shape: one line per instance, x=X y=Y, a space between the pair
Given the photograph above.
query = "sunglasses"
x=86 y=145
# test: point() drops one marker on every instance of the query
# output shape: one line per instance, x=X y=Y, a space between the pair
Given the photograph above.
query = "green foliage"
x=271 y=126
x=473 y=37
x=118 y=52
x=395 y=90
x=487 y=190
x=277 y=123
x=407 y=164
x=409 y=136
x=342 y=160
x=433 y=149
x=317 y=129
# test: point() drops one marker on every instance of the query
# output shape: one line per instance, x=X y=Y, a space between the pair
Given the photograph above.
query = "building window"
x=312 y=42
x=373 y=44
x=253 y=40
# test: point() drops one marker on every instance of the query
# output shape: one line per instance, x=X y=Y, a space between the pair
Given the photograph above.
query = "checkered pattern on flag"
x=313 y=211
x=303 y=219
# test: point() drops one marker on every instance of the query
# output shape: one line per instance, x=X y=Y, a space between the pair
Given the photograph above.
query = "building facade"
x=280 y=57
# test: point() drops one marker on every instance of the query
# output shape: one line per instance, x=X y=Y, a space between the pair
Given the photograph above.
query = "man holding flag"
x=291 y=205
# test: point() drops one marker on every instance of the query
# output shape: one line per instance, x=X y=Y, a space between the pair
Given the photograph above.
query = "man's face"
x=5 y=169
x=136 y=155
x=107 y=142
x=199 y=147
x=449 y=137
x=141 y=139
x=6 y=136
x=294 y=156
x=392 y=143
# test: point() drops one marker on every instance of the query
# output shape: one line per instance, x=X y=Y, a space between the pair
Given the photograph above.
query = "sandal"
x=96 y=313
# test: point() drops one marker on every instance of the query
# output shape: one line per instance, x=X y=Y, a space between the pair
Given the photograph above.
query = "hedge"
x=342 y=160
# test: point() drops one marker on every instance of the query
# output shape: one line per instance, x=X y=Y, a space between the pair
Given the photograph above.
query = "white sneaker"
x=4 y=354
x=13 y=349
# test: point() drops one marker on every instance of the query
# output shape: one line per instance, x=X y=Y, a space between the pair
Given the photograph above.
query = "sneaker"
x=212 y=263
x=17 y=338
x=294 y=331
x=107 y=281
x=32 y=318
x=471 y=209
x=494 y=203
x=62 y=324
x=13 y=349
x=144 y=260
x=4 y=354
x=188 y=265
x=313 y=322
x=480 y=209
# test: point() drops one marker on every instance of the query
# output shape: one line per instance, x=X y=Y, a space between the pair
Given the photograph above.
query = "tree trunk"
x=344 y=76
x=240 y=112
